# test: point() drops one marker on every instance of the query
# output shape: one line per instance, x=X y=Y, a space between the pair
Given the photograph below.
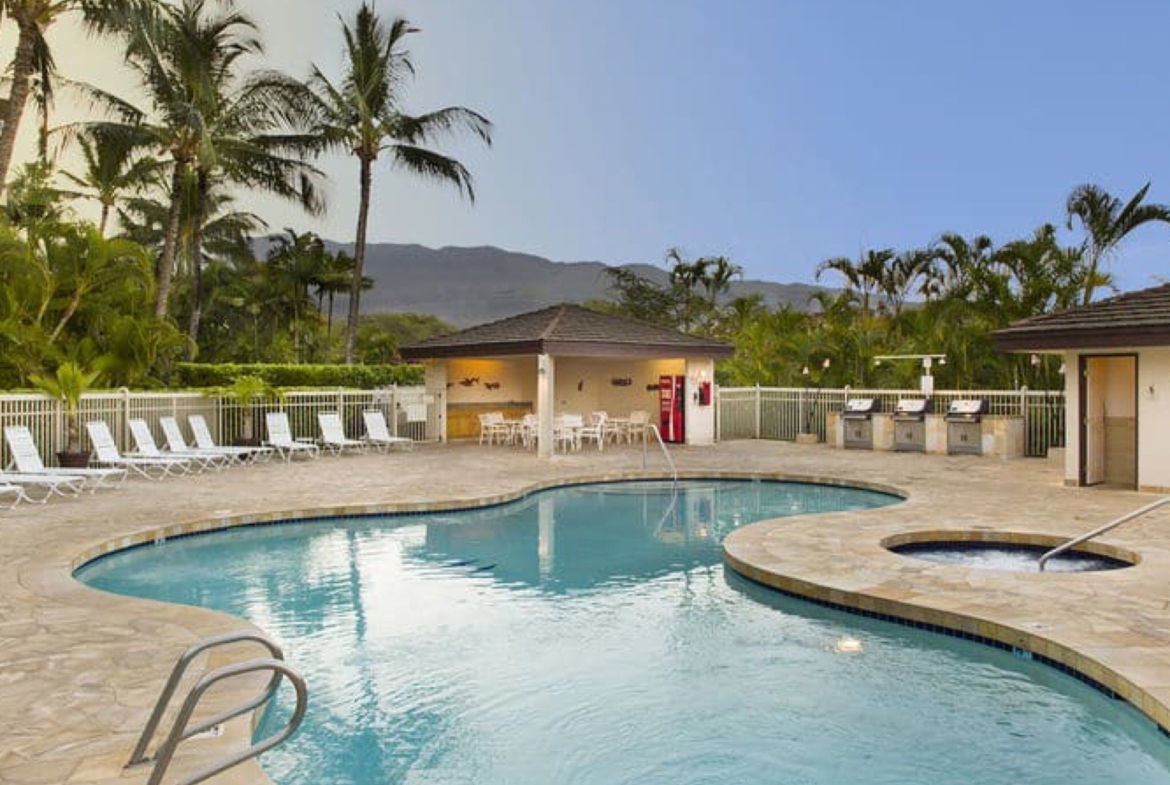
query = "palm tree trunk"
x=166 y=266
x=359 y=256
x=201 y=187
x=22 y=70
x=105 y=219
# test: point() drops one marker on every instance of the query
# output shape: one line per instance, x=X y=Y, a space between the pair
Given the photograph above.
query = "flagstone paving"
x=79 y=669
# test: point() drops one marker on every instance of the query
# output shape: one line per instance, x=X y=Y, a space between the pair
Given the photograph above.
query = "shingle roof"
x=567 y=330
x=1140 y=318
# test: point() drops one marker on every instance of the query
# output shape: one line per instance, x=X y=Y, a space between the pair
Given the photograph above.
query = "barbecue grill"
x=964 y=428
x=858 y=421
x=910 y=424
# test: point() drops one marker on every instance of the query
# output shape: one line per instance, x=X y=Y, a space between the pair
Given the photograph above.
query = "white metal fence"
x=409 y=411
x=782 y=412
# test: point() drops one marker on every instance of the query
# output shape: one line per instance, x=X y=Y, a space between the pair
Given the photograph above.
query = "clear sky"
x=776 y=132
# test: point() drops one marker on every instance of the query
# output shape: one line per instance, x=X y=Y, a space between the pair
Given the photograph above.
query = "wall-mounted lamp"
x=1035 y=360
x=1061 y=370
x=826 y=363
x=804 y=371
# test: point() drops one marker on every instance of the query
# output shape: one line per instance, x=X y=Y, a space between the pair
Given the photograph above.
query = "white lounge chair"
x=148 y=448
x=48 y=484
x=177 y=445
x=280 y=437
x=378 y=434
x=13 y=492
x=108 y=455
x=26 y=458
x=333 y=436
x=204 y=441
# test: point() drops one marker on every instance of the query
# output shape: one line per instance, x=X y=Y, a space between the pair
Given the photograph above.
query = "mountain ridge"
x=466 y=285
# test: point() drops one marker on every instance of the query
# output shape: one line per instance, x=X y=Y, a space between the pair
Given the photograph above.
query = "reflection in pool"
x=590 y=635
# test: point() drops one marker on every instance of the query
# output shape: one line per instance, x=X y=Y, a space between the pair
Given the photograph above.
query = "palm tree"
x=33 y=60
x=865 y=276
x=214 y=123
x=111 y=170
x=1106 y=222
x=363 y=115
x=960 y=260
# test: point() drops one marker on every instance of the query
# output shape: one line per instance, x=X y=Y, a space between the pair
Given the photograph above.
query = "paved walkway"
x=79 y=669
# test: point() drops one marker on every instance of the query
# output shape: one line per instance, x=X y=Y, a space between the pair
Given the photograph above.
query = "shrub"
x=362 y=377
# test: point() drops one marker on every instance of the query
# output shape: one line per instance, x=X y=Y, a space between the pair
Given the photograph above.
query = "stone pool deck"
x=80 y=669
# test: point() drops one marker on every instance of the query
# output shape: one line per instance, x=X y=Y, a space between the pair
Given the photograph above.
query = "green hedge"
x=362 y=377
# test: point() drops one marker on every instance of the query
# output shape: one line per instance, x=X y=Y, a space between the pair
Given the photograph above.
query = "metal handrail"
x=168 y=691
x=657 y=435
x=180 y=732
x=1102 y=529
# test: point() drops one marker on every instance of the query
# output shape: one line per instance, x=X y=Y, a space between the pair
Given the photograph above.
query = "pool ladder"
x=180 y=731
x=1074 y=542
x=670 y=461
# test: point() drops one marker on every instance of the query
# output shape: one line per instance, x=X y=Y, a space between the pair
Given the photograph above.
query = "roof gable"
x=1140 y=318
x=567 y=330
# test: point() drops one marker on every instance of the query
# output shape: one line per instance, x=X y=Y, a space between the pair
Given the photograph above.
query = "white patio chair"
x=492 y=427
x=108 y=455
x=378 y=434
x=148 y=448
x=280 y=438
x=26 y=458
x=528 y=430
x=204 y=441
x=176 y=445
x=333 y=436
x=567 y=431
x=636 y=425
x=594 y=431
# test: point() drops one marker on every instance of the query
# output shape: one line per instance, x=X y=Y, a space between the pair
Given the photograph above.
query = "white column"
x=700 y=419
x=545 y=404
x=436 y=384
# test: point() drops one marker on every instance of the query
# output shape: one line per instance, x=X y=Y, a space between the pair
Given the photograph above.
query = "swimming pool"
x=590 y=635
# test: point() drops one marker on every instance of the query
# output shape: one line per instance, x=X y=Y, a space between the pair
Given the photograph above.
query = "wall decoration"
x=469 y=381
x=580 y=385
x=621 y=381
x=652 y=387
x=491 y=385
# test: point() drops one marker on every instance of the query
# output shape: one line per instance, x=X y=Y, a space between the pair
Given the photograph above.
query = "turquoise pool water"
x=591 y=635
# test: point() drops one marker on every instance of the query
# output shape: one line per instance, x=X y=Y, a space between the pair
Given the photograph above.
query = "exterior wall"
x=586 y=384
x=1153 y=415
x=1153 y=400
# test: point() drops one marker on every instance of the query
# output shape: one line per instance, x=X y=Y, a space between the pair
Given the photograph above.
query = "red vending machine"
x=671 y=408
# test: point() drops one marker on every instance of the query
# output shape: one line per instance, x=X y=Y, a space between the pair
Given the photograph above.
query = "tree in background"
x=362 y=114
x=1106 y=222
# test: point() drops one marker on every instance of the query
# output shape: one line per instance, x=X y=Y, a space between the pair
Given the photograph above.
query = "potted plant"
x=244 y=391
x=67 y=385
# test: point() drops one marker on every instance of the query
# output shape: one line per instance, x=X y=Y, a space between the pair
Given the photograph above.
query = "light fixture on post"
x=926 y=381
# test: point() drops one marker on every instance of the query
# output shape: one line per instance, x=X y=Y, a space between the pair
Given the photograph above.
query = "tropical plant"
x=1106 y=222
x=215 y=123
x=68 y=384
x=112 y=170
x=245 y=391
x=362 y=114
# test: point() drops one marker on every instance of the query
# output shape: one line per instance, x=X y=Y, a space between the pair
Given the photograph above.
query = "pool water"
x=1007 y=557
x=591 y=635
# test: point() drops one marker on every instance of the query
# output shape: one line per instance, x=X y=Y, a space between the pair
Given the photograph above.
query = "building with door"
x=1116 y=356
x=568 y=359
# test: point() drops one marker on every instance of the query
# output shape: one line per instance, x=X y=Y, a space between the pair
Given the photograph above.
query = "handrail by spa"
x=1102 y=529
